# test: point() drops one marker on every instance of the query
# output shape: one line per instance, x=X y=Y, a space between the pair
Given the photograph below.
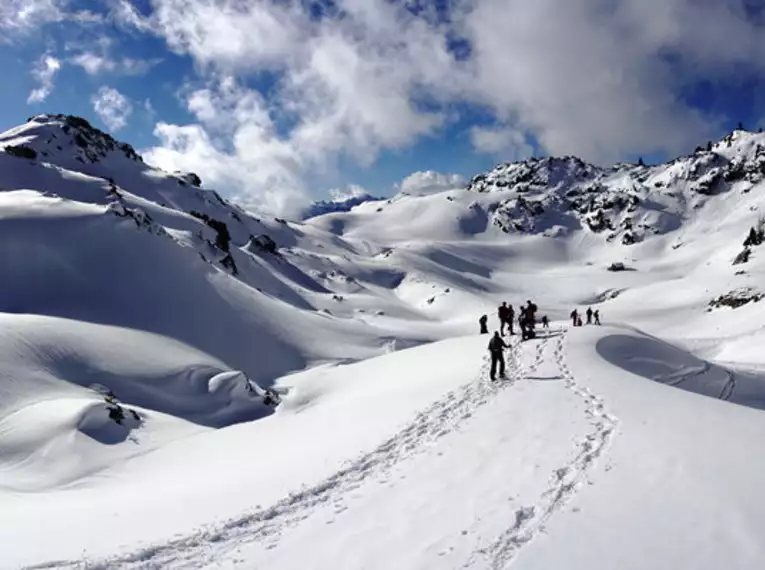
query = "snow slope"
x=632 y=445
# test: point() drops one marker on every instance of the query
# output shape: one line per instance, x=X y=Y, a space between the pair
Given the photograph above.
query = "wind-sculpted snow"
x=661 y=362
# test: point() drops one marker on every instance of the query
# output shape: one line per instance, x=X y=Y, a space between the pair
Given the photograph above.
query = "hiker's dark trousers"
x=497 y=358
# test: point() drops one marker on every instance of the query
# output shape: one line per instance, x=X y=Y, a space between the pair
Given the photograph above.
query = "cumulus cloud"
x=604 y=79
x=427 y=182
x=234 y=146
x=44 y=73
x=597 y=78
x=112 y=107
x=345 y=88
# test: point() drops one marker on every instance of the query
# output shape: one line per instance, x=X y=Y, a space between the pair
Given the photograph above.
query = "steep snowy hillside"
x=142 y=317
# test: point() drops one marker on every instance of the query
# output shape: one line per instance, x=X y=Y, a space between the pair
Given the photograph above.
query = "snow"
x=635 y=444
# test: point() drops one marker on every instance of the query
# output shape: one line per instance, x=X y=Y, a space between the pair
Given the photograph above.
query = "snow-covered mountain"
x=343 y=204
x=626 y=202
x=143 y=316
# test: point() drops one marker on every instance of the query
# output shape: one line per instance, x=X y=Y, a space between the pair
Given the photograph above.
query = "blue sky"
x=278 y=102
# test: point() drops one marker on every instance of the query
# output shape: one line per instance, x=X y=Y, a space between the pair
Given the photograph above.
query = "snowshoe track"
x=565 y=481
x=441 y=418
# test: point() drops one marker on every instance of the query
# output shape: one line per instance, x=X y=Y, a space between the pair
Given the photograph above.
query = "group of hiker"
x=593 y=317
x=526 y=321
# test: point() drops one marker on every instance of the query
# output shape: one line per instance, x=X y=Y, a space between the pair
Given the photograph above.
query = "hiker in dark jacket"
x=574 y=317
x=496 y=346
x=596 y=314
x=503 y=314
x=510 y=318
x=545 y=322
x=482 y=321
x=589 y=315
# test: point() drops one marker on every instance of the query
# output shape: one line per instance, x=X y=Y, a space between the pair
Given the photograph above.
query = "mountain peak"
x=63 y=139
x=628 y=202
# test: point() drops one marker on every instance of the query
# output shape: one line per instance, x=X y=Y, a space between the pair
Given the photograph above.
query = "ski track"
x=565 y=481
x=677 y=379
x=440 y=419
x=730 y=385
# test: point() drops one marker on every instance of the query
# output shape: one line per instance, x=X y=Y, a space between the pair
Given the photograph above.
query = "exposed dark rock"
x=21 y=151
x=736 y=298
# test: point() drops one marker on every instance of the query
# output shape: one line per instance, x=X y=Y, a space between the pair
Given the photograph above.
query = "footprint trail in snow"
x=565 y=481
x=440 y=419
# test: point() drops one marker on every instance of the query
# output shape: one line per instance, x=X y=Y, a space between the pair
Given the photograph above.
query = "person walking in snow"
x=483 y=322
x=574 y=317
x=545 y=322
x=531 y=316
x=531 y=311
x=596 y=314
x=496 y=346
x=502 y=314
x=510 y=318
x=589 y=315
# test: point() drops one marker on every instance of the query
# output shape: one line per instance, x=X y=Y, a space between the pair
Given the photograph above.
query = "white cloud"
x=348 y=86
x=22 y=15
x=228 y=34
x=19 y=17
x=112 y=107
x=429 y=182
x=350 y=191
x=132 y=66
x=151 y=113
x=596 y=78
x=94 y=64
x=44 y=72
x=234 y=147
x=603 y=79
x=503 y=141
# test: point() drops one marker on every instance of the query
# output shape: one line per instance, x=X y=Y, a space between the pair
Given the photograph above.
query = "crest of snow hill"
x=72 y=143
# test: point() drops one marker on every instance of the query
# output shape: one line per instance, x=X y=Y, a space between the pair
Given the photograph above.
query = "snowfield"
x=142 y=317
